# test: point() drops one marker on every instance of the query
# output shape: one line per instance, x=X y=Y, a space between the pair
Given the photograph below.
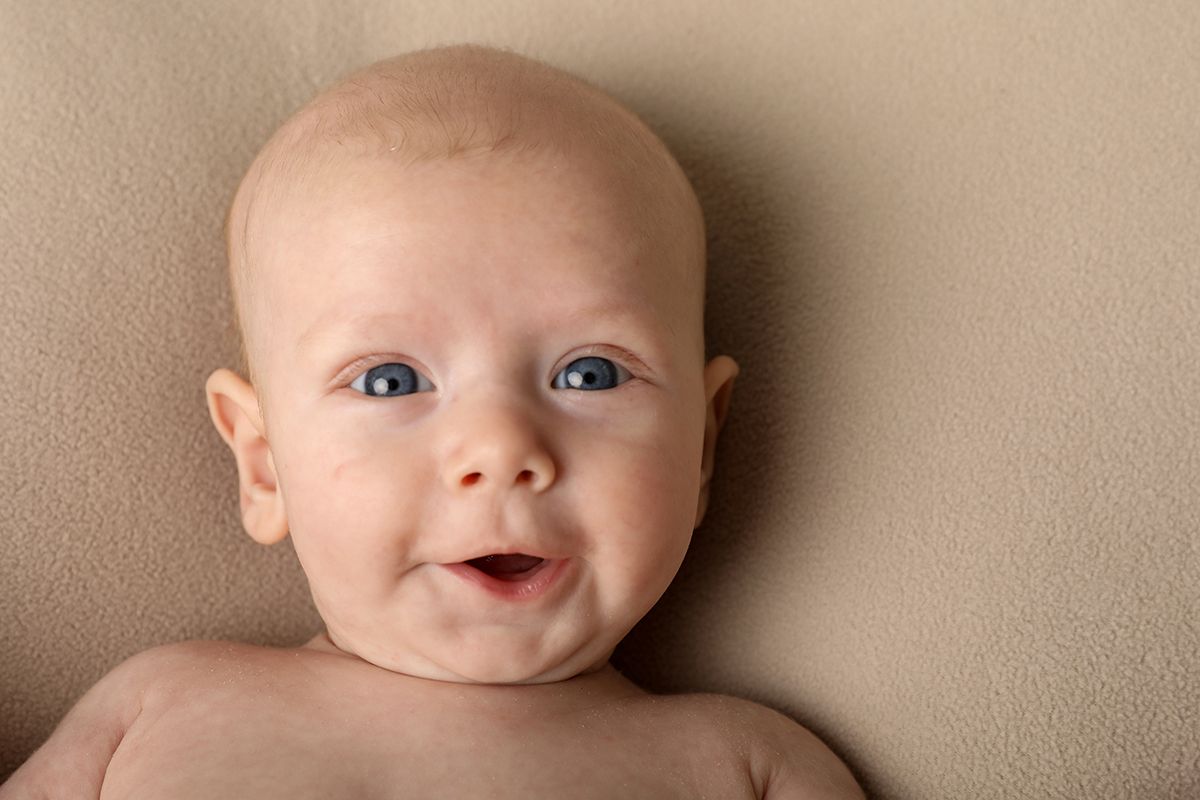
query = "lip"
x=547 y=575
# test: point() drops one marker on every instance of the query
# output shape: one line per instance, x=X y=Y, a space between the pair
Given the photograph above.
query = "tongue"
x=500 y=566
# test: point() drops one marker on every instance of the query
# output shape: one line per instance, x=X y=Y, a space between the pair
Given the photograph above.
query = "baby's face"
x=483 y=357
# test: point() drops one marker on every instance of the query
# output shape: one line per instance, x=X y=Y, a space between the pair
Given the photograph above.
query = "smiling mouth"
x=507 y=567
x=516 y=577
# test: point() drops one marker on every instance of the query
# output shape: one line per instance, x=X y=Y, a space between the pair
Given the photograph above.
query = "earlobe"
x=233 y=407
x=719 y=375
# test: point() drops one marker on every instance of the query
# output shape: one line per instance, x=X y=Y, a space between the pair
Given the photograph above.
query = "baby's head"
x=470 y=289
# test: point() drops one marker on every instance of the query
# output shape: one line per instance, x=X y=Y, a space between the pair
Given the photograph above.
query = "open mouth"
x=516 y=577
x=511 y=567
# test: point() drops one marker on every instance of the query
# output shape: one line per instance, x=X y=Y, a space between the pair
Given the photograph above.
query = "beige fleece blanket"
x=954 y=247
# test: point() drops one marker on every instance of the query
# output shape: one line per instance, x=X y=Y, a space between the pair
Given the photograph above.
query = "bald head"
x=460 y=102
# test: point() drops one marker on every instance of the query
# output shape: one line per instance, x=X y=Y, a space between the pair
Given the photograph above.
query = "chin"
x=511 y=663
x=500 y=655
x=493 y=670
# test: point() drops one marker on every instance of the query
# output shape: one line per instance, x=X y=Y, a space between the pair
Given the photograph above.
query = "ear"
x=233 y=406
x=718 y=388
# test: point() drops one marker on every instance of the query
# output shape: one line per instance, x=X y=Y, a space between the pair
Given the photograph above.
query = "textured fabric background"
x=954 y=246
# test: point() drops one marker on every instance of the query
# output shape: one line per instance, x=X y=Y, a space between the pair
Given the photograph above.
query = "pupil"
x=589 y=377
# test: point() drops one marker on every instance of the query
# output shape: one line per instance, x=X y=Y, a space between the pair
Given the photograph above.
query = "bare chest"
x=261 y=741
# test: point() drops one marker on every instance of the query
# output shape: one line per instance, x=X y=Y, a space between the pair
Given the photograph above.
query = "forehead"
x=488 y=237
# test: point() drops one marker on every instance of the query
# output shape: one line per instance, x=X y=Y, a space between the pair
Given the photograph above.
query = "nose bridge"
x=494 y=442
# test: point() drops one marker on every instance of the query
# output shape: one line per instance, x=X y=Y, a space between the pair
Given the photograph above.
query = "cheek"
x=650 y=487
x=347 y=505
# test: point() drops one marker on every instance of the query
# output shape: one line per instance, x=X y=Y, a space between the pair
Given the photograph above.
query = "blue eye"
x=391 y=380
x=589 y=374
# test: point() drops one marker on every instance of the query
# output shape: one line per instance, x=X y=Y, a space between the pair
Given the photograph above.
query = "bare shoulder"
x=786 y=760
x=165 y=669
x=179 y=664
x=72 y=762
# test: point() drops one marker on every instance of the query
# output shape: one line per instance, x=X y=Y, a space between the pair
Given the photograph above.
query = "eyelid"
x=351 y=371
x=630 y=362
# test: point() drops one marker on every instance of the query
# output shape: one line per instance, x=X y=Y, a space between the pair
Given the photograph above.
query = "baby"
x=470 y=289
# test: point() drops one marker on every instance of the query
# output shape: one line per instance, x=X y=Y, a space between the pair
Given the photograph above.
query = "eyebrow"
x=316 y=331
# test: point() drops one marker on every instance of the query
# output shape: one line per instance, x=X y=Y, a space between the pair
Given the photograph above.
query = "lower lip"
x=545 y=576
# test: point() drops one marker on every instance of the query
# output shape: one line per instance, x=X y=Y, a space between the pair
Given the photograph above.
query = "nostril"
x=526 y=476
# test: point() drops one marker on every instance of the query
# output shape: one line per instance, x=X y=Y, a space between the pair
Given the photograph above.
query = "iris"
x=390 y=380
x=588 y=374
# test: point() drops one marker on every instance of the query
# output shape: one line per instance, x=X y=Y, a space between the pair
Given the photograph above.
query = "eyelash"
x=612 y=353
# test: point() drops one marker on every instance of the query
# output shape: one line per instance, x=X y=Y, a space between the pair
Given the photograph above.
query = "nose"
x=497 y=448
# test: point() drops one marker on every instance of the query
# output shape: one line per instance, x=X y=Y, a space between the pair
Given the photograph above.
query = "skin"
x=207 y=719
x=487 y=276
